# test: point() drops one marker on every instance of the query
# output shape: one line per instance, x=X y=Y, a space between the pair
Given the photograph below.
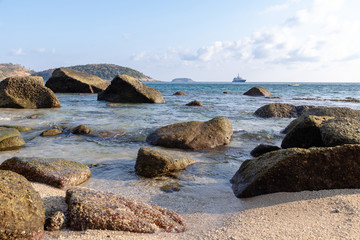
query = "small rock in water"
x=194 y=103
x=34 y=116
x=172 y=187
x=180 y=93
x=258 y=91
x=10 y=138
x=81 y=129
x=51 y=132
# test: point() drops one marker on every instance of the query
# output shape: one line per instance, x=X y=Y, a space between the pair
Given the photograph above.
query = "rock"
x=258 y=91
x=262 y=149
x=55 y=222
x=33 y=116
x=340 y=131
x=81 y=129
x=22 y=212
x=26 y=92
x=154 y=162
x=180 y=93
x=65 y=80
x=56 y=172
x=10 y=138
x=126 y=89
x=194 y=103
x=296 y=169
x=19 y=128
x=280 y=110
x=193 y=135
x=306 y=133
x=110 y=133
x=90 y=209
x=51 y=132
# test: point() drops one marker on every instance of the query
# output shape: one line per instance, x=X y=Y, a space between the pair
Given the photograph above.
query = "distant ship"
x=238 y=79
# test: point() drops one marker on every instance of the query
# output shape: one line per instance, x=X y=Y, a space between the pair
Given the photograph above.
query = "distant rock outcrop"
x=12 y=70
x=258 y=92
x=26 y=92
x=71 y=81
x=126 y=89
x=182 y=80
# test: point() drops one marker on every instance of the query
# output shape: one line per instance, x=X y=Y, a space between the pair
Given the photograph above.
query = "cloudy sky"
x=206 y=40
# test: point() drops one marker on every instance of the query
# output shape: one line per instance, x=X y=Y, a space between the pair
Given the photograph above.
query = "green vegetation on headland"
x=10 y=70
x=182 y=80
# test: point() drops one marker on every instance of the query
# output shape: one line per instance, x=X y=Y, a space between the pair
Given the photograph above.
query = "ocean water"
x=120 y=130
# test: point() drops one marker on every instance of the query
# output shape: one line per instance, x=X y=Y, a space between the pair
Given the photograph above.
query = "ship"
x=238 y=79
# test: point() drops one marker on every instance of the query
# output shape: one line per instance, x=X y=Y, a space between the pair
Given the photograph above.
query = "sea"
x=119 y=130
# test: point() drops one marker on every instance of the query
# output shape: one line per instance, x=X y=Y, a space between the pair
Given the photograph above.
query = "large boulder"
x=258 y=92
x=22 y=212
x=297 y=169
x=59 y=173
x=152 y=162
x=26 y=92
x=90 y=209
x=280 y=110
x=193 y=135
x=10 y=138
x=340 y=131
x=126 y=89
x=65 y=80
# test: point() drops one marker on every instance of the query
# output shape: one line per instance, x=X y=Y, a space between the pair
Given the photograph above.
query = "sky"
x=205 y=40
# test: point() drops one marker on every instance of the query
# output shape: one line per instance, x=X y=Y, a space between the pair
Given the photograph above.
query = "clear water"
x=116 y=155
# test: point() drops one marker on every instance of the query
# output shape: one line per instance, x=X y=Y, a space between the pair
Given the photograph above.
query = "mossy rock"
x=22 y=212
x=297 y=169
x=340 y=131
x=10 y=138
x=59 y=173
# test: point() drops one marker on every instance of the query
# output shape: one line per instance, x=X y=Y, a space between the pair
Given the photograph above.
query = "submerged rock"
x=56 y=172
x=154 y=162
x=126 y=89
x=10 y=138
x=51 y=132
x=193 y=135
x=90 y=209
x=180 y=93
x=65 y=80
x=22 y=212
x=81 y=129
x=26 y=92
x=281 y=110
x=19 y=128
x=194 y=103
x=257 y=92
x=297 y=169
x=262 y=149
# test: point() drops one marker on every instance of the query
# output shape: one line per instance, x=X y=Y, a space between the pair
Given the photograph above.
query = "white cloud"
x=41 y=50
x=17 y=52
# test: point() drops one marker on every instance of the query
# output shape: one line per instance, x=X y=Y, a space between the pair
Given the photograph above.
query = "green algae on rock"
x=22 y=212
x=90 y=209
x=59 y=173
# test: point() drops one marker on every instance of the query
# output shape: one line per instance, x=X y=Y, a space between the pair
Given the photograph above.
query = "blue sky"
x=262 y=40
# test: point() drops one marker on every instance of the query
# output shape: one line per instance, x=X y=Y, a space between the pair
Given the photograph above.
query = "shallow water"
x=129 y=124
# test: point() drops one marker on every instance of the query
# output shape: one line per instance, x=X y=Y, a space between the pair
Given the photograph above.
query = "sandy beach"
x=326 y=214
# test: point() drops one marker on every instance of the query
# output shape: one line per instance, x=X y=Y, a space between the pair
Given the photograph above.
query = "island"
x=182 y=80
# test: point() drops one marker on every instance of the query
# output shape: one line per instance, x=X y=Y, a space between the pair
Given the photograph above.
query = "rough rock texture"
x=262 y=149
x=126 y=89
x=180 y=93
x=22 y=212
x=258 y=91
x=280 y=110
x=81 y=129
x=296 y=169
x=55 y=222
x=306 y=133
x=55 y=172
x=194 y=103
x=51 y=132
x=340 y=131
x=193 y=135
x=10 y=138
x=71 y=81
x=26 y=92
x=154 y=162
x=324 y=111
x=90 y=209
x=19 y=128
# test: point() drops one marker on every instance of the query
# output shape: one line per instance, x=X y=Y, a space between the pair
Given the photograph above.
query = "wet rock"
x=89 y=209
x=51 y=132
x=180 y=93
x=262 y=149
x=126 y=89
x=171 y=187
x=56 y=172
x=33 y=116
x=71 y=81
x=19 y=128
x=26 y=92
x=10 y=138
x=257 y=92
x=110 y=133
x=296 y=169
x=55 y=222
x=22 y=212
x=154 y=162
x=194 y=103
x=338 y=131
x=193 y=135
x=81 y=129
x=280 y=110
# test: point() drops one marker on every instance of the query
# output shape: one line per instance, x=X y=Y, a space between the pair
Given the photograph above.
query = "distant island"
x=182 y=80
x=10 y=70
